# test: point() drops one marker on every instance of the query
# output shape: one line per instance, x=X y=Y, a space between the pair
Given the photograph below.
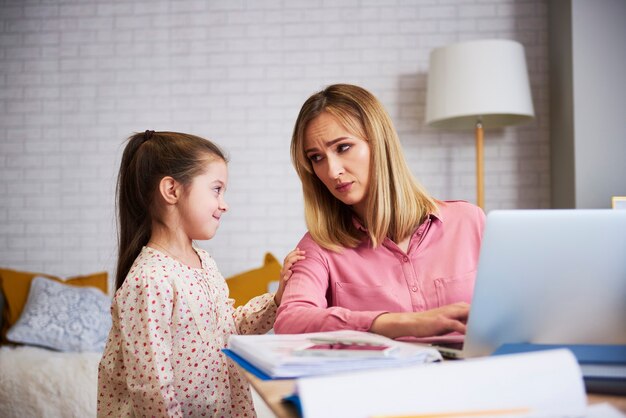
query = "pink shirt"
x=348 y=290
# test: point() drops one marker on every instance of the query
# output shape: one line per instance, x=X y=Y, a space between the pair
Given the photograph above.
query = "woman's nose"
x=335 y=167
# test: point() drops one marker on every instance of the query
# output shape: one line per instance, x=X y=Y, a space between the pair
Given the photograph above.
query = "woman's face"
x=340 y=159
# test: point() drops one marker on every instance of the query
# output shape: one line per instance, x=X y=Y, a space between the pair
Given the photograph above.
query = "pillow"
x=246 y=285
x=63 y=317
x=15 y=285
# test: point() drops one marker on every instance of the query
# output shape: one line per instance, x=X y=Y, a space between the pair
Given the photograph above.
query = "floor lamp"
x=478 y=84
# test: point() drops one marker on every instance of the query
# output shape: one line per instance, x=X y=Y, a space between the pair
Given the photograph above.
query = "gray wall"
x=588 y=108
x=79 y=76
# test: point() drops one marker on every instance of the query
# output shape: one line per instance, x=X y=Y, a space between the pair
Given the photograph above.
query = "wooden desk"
x=273 y=391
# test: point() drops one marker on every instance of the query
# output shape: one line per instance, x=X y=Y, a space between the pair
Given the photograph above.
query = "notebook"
x=548 y=277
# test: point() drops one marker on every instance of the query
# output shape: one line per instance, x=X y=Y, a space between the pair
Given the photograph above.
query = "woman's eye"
x=315 y=158
x=343 y=148
x=217 y=190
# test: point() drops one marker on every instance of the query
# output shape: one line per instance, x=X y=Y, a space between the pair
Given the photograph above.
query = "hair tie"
x=147 y=135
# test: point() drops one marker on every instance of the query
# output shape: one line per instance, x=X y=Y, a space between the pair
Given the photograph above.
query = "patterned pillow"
x=15 y=285
x=63 y=317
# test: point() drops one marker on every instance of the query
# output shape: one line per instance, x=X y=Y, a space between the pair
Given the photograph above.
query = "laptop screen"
x=551 y=277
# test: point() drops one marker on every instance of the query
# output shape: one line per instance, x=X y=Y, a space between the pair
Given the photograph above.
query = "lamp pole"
x=480 y=187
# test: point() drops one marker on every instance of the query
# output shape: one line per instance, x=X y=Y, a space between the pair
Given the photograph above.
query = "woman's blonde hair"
x=396 y=204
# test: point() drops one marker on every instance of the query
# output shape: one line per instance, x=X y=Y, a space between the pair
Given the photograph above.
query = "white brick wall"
x=79 y=76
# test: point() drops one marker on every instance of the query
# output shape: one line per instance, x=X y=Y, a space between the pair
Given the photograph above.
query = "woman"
x=381 y=255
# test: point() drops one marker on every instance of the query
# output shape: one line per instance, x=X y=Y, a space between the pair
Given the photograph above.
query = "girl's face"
x=340 y=159
x=203 y=203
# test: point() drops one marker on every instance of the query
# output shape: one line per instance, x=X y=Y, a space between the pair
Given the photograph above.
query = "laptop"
x=548 y=277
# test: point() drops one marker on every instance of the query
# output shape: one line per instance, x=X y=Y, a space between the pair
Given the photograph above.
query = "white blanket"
x=36 y=382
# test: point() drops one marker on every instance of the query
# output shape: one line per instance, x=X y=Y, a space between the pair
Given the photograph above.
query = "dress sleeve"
x=145 y=316
x=304 y=306
x=257 y=316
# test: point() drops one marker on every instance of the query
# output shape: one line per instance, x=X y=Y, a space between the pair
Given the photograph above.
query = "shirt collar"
x=358 y=225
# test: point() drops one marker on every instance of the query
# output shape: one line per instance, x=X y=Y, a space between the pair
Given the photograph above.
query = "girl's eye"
x=217 y=190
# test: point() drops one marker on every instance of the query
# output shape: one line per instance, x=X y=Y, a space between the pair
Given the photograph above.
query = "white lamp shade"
x=483 y=80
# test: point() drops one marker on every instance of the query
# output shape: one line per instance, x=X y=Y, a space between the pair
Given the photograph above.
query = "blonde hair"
x=397 y=203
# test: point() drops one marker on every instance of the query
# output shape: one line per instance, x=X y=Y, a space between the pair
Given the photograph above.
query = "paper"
x=274 y=354
x=542 y=384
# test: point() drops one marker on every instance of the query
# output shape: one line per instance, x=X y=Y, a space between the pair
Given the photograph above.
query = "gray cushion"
x=63 y=317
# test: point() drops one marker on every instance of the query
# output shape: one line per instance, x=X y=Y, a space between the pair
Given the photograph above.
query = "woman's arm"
x=304 y=306
x=308 y=298
x=305 y=309
x=439 y=321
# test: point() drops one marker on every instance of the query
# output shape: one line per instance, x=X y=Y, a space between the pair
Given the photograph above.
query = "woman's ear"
x=169 y=190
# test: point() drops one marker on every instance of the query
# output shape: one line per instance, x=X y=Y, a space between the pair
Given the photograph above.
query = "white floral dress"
x=163 y=357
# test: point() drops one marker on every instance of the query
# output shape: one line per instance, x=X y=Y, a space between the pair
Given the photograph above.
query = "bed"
x=38 y=382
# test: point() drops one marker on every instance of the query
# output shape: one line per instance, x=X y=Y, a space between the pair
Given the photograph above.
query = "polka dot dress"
x=163 y=357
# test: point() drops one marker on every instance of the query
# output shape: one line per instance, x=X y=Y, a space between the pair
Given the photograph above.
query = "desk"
x=273 y=391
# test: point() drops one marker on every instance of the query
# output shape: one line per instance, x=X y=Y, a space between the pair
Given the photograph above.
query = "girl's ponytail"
x=134 y=220
x=147 y=158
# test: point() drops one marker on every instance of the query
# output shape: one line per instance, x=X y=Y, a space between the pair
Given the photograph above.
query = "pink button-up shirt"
x=348 y=290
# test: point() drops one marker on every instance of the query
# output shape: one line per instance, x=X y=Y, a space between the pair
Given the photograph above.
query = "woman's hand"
x=285 y=273
x=439 y=321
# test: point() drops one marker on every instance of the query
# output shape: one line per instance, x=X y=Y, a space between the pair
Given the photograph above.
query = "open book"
x=541 y=384
x=290 y=356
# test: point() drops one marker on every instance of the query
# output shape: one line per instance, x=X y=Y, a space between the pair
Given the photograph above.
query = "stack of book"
x=299 y=355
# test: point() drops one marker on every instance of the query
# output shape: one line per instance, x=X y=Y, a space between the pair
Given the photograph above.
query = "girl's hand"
x=439 y=321
x=285 y=273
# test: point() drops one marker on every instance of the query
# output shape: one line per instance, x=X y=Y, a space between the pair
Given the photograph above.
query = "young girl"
x=171 y=312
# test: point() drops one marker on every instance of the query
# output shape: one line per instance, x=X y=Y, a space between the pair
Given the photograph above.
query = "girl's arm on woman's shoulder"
x=257 y=315
x=293 y=257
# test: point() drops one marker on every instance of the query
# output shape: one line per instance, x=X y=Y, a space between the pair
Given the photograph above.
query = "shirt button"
x=405 y=259
x=414 y=288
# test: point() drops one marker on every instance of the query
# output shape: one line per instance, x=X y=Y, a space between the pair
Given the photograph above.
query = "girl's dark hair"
x=147 y=158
